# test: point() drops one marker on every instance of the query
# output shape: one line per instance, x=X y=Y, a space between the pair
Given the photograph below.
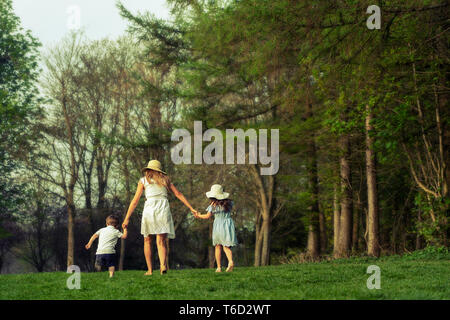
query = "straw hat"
x=154 y=165
x=217 y=192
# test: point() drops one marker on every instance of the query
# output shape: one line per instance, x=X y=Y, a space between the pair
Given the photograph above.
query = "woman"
x=156 y=217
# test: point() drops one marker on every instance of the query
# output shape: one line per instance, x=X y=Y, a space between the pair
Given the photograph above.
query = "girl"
x=224 y=233
x=156 y=218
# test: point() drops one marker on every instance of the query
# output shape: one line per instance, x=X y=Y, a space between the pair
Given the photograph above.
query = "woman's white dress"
x=156 y=217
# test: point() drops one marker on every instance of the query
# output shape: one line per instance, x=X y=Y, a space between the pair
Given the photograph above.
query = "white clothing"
x=107 y=240
x=156 y=217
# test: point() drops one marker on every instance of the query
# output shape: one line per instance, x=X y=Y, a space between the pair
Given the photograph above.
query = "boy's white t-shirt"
x=107 y=239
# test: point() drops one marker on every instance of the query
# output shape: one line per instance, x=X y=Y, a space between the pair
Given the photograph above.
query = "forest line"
x=362 y=114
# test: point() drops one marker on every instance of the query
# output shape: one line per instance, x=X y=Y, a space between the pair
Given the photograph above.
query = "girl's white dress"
x=156 y=217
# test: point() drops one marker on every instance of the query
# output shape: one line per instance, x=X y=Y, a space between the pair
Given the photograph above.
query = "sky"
x=50 y=20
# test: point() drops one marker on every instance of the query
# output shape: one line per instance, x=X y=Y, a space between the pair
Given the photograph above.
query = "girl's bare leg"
x=229 y=255
x=218 y=257
x=148 y=254
x=111 y=271
x=162 y=251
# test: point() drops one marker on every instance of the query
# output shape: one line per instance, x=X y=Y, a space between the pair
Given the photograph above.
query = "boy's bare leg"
x=98 y=267
x=111 y=271
x=218 y=257
x=162 y=251
x=229 y=255
x=148 y=254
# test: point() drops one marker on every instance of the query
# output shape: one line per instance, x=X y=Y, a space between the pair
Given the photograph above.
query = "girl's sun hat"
x=217 y=192
x=154 y=165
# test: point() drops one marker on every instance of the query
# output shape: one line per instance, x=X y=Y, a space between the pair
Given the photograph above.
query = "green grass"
x=407 y=277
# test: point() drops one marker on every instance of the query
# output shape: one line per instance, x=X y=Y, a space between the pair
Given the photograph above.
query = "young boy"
x=108 y=236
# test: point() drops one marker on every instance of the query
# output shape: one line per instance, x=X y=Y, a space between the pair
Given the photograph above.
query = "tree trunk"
x=313 y=246
x=122 y=253
x=69 y=193
x=345 y=223
x=404 y=232
x=418 y=236
x=265 y=254
x=394 y=232
x=211 y=257
x=362 y=239
x=323 y=232
x=443 y=112
x=314 y=238
x=336 y=221
x=263 y=221
x=373 y=245
x=70 y=233
x=356 y=217
x=245 y=252
x=313 y=250
x=90 y=216
x=126 y=172
x=355 y=230
x=258 y=241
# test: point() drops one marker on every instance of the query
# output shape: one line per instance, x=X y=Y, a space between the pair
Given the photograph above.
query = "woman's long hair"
x=226 y=204
x=160 y=178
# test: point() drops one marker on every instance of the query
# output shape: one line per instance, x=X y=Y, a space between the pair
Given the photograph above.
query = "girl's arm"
x=133 y=205
x=180 y=196
x=205 y=216
x=94 y=236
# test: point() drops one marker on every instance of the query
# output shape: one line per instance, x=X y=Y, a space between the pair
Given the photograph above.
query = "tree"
x=19 y=104
x=64 y=141
x=37 y=234
x=373 y=242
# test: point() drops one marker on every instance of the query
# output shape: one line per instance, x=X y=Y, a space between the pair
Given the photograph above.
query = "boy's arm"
x=89 y=244
x=205 y=216
x=124 y=233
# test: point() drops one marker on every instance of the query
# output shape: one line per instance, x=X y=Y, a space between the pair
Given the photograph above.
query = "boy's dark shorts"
x=106 y=260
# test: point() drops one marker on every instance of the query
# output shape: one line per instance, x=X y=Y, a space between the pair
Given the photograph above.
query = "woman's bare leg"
x=229 y=255
x=167 y=253
x=148 y=254
x=162 y=251
x=218 y=257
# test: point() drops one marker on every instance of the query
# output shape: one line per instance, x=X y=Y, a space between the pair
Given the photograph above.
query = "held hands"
x=195 y=213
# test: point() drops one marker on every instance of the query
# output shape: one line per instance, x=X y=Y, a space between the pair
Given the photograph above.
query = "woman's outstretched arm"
x=133 y=204
x=180 y=196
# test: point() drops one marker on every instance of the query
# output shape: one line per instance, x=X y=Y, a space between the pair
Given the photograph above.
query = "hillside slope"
x=401 y=278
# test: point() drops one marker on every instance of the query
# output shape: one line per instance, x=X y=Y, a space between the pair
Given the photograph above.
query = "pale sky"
x=50 y=20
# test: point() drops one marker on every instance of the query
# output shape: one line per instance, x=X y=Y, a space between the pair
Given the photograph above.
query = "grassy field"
x=409 y=277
